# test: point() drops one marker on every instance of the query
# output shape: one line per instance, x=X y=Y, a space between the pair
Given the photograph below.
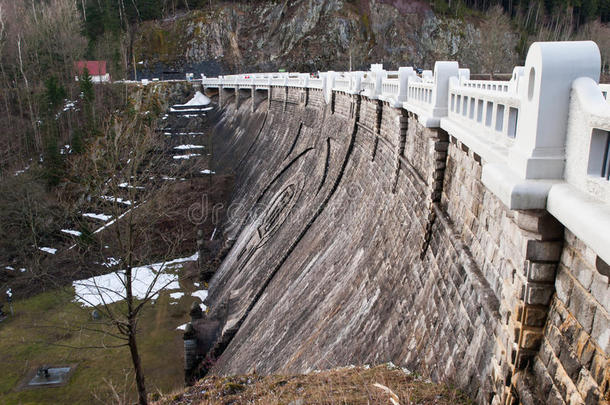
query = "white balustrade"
x=342 y=82
x=490 y=110
x=316 y=83
x=372 y=80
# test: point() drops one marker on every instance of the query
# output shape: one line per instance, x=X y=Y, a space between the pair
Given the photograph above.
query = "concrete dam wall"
x=359 y=236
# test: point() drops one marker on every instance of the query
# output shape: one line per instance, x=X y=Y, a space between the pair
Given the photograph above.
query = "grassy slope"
x=23 y=347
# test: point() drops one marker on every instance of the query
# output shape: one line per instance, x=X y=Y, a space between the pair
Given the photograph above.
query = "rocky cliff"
x=307 y=35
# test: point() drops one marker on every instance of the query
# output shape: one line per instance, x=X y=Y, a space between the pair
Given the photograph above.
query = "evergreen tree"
x=54 y=95
x=88 y=94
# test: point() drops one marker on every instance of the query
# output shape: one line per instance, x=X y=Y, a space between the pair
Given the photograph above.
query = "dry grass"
x=383 y=384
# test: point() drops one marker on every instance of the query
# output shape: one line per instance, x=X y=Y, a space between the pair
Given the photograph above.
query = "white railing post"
x=440 y=93
x=464 y=75
x=404 y=75
x=329 y=82
x=550 y=69
x=356 y=82
x=379 y=76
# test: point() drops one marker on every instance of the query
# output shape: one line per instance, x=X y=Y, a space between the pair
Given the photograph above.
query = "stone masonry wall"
x=573 y=365
x=364 y=237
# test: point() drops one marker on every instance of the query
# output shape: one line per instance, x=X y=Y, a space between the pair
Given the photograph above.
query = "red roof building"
x=96 y=68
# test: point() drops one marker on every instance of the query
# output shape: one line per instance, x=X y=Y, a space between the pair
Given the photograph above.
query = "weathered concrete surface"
x=362 y=237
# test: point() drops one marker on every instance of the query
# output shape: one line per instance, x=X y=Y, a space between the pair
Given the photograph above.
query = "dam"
x=455 y=227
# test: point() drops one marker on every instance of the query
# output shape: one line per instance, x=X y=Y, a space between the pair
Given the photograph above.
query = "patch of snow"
x=48 y=250
x=183 y=133
x=72 y=232
x=176 y=295
x=69 y=105
x=18 y=172
x=186 y=147
x=181 y=327
x=9 y=293
x=101 y=217
x=168 y=178
x=201 y=294
x=111 y=261
x=115 y=199
x=114 y=220
x=187 y=156
x=10 y=268
x=197 y=100
x=127 y=185
x=23 y=270
x=146 y=281
x=207 y=171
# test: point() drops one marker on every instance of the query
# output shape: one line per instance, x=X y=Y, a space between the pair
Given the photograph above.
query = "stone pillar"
x=440 y=93
x=544 y=91
x=237 y=97
x=220 y=95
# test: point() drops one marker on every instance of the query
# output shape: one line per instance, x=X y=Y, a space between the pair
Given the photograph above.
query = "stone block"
x=582 y=308
x=539 y=222
x=554 y=339
x=534 y=316
x=587 y=388
x=540 y=271
x=537 y=250
x=581 y=271
x=538 y=294
x=600 y=289
x=585 y=349
x=570 y=363
x=531 y=339
x=600 y=332
x=564 y=285
x=598 y=367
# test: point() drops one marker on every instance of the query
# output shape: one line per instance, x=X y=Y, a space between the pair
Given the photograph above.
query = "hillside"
x=384 y=384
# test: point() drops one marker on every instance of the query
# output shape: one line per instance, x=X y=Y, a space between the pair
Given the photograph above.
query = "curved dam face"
x=361 y=237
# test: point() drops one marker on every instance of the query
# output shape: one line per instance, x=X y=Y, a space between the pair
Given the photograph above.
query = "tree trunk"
x=137 y=365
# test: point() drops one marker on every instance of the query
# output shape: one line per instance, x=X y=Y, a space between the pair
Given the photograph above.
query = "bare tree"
x=122 y=162
x=600 y=33
x=498 y=43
